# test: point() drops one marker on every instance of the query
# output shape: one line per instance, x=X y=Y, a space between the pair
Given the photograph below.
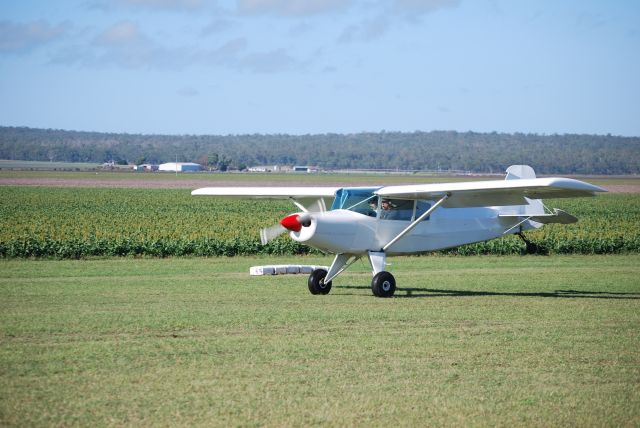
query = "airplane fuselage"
x=346 y=231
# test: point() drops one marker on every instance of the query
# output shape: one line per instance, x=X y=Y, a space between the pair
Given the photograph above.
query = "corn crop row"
x=76 y=223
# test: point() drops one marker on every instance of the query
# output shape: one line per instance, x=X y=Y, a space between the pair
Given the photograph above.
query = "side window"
x=396 y=209
x=421 y=208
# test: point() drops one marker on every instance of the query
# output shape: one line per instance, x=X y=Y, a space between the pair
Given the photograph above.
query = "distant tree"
x=202 y=160
x=435 y=150
x=223 y=163
x=141 y=160
x=212 y=160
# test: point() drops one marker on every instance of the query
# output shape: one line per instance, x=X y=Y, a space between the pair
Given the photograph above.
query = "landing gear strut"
x=532 y=247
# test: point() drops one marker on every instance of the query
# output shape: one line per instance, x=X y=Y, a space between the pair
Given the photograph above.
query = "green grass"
x=40 y=165
x=469 y=341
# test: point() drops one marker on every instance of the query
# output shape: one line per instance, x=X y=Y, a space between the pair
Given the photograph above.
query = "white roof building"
x=180 y=167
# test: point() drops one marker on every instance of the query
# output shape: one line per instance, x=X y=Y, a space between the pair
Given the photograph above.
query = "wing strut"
x=416 y=221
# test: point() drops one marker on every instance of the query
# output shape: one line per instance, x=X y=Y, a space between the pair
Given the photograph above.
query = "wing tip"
x=573 y=184
x=198 y=192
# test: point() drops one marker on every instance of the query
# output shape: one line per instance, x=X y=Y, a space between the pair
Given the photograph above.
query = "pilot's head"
x=386 y=204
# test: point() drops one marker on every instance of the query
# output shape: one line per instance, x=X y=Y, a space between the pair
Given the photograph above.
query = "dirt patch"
x=623 y=188
x=64 y=182
x=195 y=184
x=155 y=184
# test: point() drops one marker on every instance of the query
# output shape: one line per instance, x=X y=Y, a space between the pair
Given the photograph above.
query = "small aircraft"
x=377 y=222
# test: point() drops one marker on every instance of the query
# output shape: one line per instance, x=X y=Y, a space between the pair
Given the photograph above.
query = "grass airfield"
x=480 y=341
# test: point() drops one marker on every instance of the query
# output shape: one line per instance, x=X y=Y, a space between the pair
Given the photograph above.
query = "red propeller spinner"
x=294 y=222
x=291 y=222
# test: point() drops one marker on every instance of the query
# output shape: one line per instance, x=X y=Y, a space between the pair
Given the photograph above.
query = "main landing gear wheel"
x=383 y=284
x=317 y=284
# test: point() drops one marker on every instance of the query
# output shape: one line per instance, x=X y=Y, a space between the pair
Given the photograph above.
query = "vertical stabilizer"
x=535 y=206
x=519 y=172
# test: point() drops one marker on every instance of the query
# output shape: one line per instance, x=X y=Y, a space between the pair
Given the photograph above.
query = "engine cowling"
x=338 y=231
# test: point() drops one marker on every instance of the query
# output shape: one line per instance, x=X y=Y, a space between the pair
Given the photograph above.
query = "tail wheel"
x=317 y=284
x=383 y=284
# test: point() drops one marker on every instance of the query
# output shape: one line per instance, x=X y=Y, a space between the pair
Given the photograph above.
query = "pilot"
x=373 y=208
x=388 y=211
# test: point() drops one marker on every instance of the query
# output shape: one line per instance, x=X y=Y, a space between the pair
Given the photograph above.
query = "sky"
x=321 y=66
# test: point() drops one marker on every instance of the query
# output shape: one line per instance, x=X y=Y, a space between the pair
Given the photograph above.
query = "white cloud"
x=20 y=38
x=165 y=4
x=226 y=54
x=368 y=30
x=168 y=5
x=233 y=54
x=379 y=18
x=421 y=7
x=218 y=25
x=188 y=92
x=267 y=62
x=291 y=7
x=123 y=34
x=124 y=45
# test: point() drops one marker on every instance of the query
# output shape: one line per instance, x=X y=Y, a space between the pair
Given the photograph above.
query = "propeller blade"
x=317 y=207
x=270 y=233
x=293 y=222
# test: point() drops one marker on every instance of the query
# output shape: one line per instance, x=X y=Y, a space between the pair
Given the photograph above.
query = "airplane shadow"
x=415 y=292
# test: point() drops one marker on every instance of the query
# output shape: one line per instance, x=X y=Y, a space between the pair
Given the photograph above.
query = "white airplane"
x=377 y=222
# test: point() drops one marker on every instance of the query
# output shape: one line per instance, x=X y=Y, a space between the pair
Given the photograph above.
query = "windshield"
x=358 y=199
x=363 y=200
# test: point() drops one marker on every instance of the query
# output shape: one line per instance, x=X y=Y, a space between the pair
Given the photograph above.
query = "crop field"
x=151 y=339
x=74 y=222
x=468 y=341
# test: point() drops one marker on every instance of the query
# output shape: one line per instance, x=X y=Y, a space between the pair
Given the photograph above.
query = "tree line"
x=435 y=150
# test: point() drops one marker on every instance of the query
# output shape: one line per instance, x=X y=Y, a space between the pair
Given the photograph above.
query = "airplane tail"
x=518 y=172
x=535 y=206
x=535 y=209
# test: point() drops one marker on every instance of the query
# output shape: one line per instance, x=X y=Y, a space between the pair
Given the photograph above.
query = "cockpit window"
x=364 y=201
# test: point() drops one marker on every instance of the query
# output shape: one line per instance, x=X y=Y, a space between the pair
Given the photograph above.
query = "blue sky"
x=321 y=66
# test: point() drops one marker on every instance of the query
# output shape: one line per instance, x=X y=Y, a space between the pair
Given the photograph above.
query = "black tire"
x=383 y=284
x=317 y=284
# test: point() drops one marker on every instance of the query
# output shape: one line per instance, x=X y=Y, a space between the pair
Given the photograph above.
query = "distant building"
x=274 y=168
x=180 y=167
x=146 y=167
x=299 y=168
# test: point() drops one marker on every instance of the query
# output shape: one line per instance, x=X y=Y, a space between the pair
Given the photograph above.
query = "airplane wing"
x=267 y=192
x=305 y=198
x=493 y=193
